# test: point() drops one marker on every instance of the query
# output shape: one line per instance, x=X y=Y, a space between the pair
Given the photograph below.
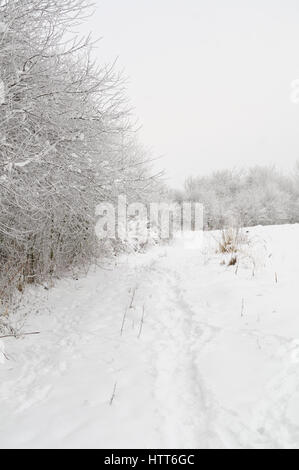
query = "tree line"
x=255 y=196
x=66 y=142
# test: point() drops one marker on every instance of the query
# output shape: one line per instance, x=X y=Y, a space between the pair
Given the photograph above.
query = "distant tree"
x=259 y=195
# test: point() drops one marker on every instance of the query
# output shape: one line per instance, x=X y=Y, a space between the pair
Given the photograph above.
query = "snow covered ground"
x=165 y=349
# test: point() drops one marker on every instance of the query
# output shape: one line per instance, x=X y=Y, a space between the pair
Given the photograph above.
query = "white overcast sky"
x=210 y=80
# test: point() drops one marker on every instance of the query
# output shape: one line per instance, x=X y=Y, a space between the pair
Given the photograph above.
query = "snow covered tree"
x=65 y=141
x=258 y=195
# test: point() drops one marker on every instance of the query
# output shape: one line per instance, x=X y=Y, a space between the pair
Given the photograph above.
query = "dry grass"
x=230 y=243
x=233 y=261
x=231 y=239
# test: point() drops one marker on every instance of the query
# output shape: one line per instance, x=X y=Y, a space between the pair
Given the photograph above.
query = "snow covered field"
x=165 y=349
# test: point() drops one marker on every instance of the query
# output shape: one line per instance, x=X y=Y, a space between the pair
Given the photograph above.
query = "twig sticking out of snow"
x=2 y=353
x=113 y=394
x=133 y=297
x=19 y=335
x=126 y=311
x=123 y=323
x=243 y=307
x=276 y=278
x=141 y=322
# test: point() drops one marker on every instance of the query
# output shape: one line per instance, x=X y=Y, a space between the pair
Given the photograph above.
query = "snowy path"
x=213 y=362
